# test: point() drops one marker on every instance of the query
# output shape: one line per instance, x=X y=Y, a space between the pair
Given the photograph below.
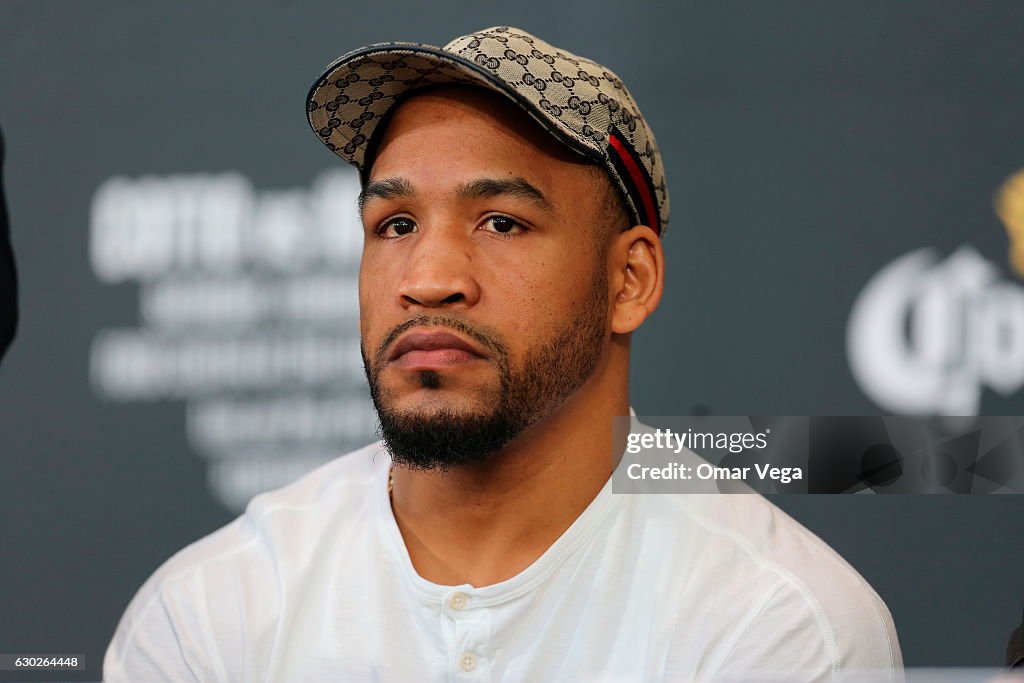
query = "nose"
x=438 y=272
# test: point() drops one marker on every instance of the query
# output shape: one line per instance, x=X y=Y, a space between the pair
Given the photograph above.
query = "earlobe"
x=640 y=276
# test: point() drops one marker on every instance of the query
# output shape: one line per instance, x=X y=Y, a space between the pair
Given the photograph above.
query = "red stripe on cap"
x=637 y=176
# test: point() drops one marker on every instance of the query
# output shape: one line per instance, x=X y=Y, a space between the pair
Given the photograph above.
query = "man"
x=1015 y=648
x=8 y=281
x=513 y=206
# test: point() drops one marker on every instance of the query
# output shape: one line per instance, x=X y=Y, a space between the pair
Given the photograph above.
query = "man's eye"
x=503 y=225
x=396 y=227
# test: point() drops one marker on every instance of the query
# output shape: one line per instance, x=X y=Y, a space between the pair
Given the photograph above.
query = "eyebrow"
x=392 y=188
x=386 y=188
x=514 y=186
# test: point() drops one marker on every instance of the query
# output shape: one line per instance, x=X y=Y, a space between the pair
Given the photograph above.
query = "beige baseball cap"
x=581 y=103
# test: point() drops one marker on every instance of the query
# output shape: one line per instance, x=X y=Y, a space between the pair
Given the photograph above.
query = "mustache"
x=486 y=338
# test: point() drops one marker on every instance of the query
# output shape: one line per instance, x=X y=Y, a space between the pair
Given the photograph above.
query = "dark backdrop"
x=808 y=145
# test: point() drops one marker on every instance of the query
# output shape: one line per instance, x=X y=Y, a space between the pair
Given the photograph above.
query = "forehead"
x=457 y=127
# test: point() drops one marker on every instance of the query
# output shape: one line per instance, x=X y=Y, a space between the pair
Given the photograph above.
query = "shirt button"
x=467 y=661
x=458 y=600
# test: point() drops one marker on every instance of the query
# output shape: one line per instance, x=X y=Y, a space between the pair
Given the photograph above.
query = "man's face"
x=483 y=287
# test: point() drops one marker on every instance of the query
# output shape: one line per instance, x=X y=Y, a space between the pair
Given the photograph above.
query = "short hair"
x=612 y=206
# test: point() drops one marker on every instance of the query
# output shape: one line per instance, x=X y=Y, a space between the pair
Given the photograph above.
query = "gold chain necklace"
x=391 y=482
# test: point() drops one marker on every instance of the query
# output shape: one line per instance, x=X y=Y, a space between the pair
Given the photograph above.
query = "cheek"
x=540 y=296
x=372 y=296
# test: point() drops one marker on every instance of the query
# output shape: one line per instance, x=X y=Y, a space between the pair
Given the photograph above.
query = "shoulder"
x=337 y=488
x=171 y=620
x=804 y=606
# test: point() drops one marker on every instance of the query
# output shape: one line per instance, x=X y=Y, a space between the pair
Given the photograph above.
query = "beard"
x=550 y=373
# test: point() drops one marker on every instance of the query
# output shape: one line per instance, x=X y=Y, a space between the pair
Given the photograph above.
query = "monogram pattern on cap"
x=576 y=99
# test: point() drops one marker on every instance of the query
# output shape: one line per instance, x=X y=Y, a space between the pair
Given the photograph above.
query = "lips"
x=434 y=349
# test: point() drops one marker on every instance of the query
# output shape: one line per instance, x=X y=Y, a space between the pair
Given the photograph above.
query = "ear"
x=638 y=277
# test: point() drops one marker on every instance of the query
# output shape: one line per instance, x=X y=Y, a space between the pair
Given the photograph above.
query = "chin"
x=439 y=432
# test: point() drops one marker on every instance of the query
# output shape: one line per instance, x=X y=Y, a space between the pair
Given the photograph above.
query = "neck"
x=484 y=523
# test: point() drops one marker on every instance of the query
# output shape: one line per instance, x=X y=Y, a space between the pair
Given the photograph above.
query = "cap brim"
x=356 y=93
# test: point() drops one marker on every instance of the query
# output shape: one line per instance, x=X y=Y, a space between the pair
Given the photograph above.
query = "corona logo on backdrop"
x=927 y=335
x=1009 y=205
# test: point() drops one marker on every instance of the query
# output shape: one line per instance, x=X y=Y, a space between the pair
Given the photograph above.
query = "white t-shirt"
x=314 y=583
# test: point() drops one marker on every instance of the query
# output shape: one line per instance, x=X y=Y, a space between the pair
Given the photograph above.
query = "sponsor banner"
x=927 y=335
x=248 y=314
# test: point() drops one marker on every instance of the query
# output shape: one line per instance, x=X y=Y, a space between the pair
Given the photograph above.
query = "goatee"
x=550 y=373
